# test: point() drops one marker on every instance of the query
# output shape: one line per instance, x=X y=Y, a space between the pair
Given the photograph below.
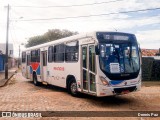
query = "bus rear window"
x=35 y=55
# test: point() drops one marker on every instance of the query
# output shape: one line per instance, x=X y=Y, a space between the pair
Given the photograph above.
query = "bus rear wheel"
x=73 y=88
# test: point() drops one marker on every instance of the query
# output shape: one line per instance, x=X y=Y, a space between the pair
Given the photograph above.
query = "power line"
x=85 y=16
x=86 y=20
x=16 y=13
x=96 y=3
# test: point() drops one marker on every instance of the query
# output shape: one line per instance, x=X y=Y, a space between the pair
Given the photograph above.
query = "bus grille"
x=120 y=90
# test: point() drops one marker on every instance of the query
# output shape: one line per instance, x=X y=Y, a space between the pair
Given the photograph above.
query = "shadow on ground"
x=98 y=101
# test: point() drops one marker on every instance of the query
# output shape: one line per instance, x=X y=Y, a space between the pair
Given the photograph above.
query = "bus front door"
x=88 y=68
x=44 y=65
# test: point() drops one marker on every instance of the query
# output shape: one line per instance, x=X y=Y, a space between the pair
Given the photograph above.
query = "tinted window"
x=56 y=53
x=59 y=53
x=44 y=58
x=35 y=55
x=50 y=54
x=38 y=55
x=71 y=51
x=28 y=60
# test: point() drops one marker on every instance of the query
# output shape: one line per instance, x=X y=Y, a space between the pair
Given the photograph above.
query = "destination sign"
x=115 y=37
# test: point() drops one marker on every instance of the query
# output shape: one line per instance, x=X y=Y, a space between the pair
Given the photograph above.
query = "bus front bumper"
x=111 y=91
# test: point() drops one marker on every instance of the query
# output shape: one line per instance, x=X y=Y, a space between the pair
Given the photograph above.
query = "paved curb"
x=5 y=83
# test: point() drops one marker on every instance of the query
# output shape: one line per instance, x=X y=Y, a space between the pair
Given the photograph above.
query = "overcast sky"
x=145 y=24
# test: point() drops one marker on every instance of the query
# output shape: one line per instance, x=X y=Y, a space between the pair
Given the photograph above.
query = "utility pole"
x=7 y=33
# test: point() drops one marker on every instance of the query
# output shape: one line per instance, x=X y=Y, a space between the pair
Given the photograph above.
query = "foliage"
x=51 y=35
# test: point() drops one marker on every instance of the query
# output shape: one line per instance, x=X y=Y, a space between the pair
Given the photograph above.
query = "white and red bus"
x=97 y=63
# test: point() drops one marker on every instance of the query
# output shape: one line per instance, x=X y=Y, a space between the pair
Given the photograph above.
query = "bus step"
x=44 y=83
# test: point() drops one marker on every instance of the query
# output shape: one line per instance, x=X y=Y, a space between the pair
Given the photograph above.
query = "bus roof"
x=66 y=39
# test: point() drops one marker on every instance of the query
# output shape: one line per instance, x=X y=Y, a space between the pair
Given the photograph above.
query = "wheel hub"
x=73 y=88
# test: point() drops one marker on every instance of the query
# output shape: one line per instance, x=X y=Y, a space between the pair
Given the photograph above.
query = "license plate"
x=125 y=92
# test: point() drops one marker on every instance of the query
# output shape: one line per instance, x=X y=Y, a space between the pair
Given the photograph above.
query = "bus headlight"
x=103 y=80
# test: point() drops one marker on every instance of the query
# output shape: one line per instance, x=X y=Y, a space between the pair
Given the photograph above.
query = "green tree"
x=51 y=35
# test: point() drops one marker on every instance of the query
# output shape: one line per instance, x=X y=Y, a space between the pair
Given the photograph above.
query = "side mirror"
x=97 y=50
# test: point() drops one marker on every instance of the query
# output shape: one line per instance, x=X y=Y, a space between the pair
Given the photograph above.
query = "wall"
x=150 y=68
x=155 y=70
x=11 y=62
x=3 y=49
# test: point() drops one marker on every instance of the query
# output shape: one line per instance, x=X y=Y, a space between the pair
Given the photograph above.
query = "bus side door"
x=44 y=65
x=88 y=68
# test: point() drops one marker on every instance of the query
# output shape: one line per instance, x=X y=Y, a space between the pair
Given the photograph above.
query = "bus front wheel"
x=73 y=88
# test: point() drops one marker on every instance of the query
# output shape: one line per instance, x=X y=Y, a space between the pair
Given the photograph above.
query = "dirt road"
x=21 y=95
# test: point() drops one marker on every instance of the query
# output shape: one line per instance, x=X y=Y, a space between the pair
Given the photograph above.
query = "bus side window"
x=50 y=54
x=59 y=53
x=71 y=51
x=55 y=53
x=23 y=57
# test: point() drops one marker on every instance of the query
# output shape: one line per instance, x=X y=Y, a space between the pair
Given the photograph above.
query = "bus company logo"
x=59 y=68
x=35 y=66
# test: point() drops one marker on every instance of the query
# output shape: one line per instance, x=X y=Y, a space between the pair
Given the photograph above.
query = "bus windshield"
x=119 y=55
x=119 y=58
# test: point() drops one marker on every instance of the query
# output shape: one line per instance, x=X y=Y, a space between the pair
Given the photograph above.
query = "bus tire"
x=36 y=83
x=72 y=88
